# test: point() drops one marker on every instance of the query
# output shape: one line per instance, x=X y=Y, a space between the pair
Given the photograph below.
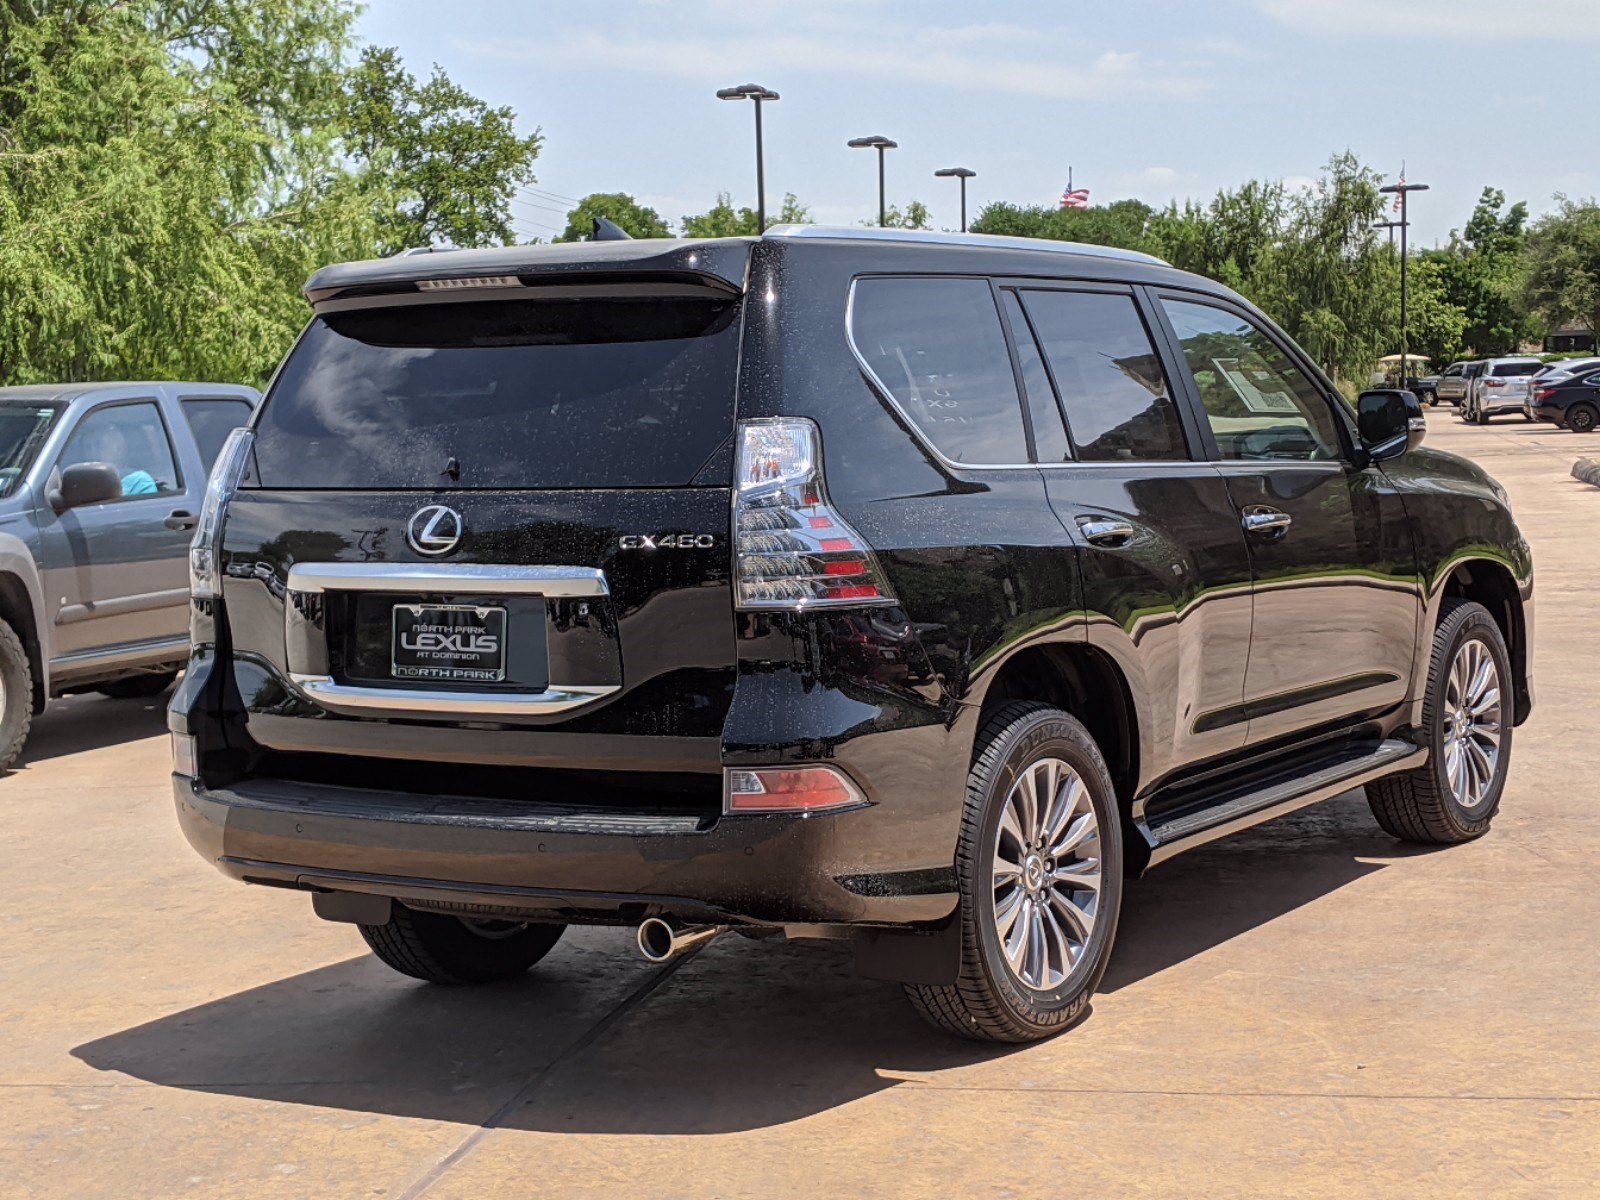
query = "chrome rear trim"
x=558 y=582
x=342 y=697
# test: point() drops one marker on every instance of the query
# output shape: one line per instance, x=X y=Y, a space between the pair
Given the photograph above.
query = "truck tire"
x=1466 y=716
x=138 y=687
x=1039 y=864
x=16 y=696
x=458 y=951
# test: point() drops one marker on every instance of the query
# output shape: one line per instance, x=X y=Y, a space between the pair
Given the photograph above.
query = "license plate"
x=449 y=643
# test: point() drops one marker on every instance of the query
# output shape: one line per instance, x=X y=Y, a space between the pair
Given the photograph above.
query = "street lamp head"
x=953 y=173
x=876 y=141
x=747 y=91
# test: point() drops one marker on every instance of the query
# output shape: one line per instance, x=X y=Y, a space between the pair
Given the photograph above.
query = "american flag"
x=1075 y=198
x=1398 y=195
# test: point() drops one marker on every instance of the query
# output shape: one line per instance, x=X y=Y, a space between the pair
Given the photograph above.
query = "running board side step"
x=1188 y=830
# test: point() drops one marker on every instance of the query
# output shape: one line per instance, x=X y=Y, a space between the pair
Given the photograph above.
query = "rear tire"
x=138 y=687
x=1583 y=418
x=1427 y=805
x=16 y=696
x=1041 y=884
x=440 y=948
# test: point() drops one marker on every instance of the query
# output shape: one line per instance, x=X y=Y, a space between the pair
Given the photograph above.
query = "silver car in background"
x=1500 y=386
x=1453 y=383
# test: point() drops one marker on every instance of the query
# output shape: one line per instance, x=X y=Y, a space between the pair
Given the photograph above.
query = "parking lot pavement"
x=1310 y=1008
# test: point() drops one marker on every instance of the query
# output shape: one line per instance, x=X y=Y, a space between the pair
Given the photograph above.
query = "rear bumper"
x=763 y=870
x=1495 y=407
x=1544 y=412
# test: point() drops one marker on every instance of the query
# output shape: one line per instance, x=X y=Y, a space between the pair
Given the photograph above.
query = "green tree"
x=1328 y=280
x=723 y=220
x=171 y=171
x=1124 y=223
x=1437 y=327
x=1480 y=273
x=1561 y=263
x=452 y=162
x=617 y=207
x=1227 y=239
x=913 y=216
x=159 y=207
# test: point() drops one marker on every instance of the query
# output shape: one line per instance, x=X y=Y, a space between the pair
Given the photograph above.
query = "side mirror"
x=86 y=483
x=1390 y=422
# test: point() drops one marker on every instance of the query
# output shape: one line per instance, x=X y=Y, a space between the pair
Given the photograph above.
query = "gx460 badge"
x=667 y=541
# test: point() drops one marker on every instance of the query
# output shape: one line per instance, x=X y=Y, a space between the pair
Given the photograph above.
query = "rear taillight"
x=1493 y=383
x=791 y=790
x=205 y=550
x=1543 y=393
x=791 y=548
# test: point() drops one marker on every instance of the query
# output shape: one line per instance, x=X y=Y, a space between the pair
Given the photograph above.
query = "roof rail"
x=868 y=233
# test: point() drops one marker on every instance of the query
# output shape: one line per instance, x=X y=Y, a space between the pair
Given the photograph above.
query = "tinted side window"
x=1049 y=434
x=1512 y=370
x=936 y=346
x=211 y=421
x=1259 y=403
x=133 y=439
x=1108 y=376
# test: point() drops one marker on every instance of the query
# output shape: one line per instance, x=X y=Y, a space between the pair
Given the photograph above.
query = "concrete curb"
x=1588 y=470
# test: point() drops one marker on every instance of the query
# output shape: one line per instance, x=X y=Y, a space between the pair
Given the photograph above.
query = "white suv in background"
x=1500 y=386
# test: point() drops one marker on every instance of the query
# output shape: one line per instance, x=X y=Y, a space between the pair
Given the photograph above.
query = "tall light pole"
x=757 y=93
x=962 y=174
x=1391 y=226
x=879 y=143
x=1403 y=189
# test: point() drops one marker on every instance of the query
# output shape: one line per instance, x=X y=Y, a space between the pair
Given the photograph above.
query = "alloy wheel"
x=1472 y=724
x=1047 y=873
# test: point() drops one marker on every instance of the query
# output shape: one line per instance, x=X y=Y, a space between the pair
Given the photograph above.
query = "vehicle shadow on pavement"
x=76 y=724
x=1220 y=891
x=745 y=1035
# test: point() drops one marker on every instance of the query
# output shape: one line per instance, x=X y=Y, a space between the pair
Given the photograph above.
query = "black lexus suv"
x=911 y=589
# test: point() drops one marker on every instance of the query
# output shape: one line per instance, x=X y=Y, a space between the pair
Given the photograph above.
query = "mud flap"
x=929 y=957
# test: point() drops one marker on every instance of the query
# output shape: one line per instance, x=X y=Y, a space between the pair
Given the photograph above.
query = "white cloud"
x=1216 y=46
x=1528 y=20
x=1113 y=75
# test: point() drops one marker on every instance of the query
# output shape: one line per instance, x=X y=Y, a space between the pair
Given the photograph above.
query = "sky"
x=1154 y=99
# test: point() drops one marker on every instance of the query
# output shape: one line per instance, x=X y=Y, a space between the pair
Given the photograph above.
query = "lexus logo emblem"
x=435 y=530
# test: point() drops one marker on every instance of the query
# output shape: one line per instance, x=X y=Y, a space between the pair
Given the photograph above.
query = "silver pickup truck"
x=100 y=487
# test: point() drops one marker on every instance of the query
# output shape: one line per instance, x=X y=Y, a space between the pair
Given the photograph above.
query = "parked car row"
x=1564 y=393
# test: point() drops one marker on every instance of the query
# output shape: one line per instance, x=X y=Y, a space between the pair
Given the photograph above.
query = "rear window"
x=937 y=347
x=596 y=392
x=211 y=421
x=1508 y=370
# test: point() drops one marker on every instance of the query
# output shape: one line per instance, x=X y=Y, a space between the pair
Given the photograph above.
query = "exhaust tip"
x=656 y=939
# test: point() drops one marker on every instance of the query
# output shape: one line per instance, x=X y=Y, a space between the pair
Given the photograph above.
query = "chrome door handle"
x=1258 y=518
x=1102 y=531
x=180 y=520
